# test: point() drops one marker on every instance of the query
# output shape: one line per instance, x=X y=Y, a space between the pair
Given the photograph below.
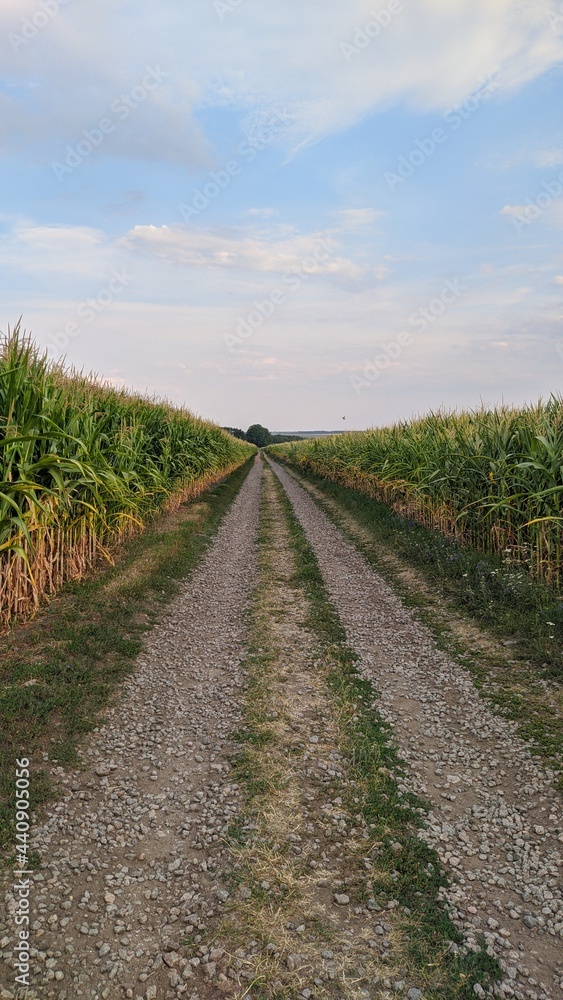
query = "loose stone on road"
x=130 y=853
x=496 y=817
x=143 y=892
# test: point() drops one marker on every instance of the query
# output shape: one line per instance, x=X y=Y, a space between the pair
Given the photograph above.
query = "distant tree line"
x=260 y=436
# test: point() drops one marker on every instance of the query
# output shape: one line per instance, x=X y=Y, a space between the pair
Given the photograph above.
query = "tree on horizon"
x=258 y=435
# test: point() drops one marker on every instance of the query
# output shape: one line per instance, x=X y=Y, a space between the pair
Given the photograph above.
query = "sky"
x=319 y=215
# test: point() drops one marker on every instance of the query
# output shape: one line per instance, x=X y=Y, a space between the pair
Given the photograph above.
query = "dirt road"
x=216 y=840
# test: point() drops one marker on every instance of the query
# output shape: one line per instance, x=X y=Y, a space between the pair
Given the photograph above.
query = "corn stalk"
x=83 y=466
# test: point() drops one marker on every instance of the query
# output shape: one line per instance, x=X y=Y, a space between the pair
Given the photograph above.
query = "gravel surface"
x=132 y=853
x=495 y=817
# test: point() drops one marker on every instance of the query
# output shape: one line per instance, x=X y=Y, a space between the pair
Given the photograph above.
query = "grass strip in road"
x=61 y=669
x=264 y=868
x=473 y=605
x=406 y=870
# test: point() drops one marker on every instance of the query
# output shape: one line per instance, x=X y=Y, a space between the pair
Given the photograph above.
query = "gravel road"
x=130 y=853
x=495 y=819
x=133 y=853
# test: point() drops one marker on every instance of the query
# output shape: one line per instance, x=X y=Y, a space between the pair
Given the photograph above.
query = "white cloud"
x=541 y=206
x=72 y=239
x=547 y=158
x=517 y=210
x=75 y=88
x=166 y=333
x=380 y=272
x=183 y=245
x=430 y=57
x=65 y=250
x=356 y=218
x=262 y=213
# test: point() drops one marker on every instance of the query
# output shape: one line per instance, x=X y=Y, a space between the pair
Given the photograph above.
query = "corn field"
x=492 y=479
x=82 y=466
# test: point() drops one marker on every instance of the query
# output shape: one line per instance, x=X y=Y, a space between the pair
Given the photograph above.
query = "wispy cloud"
x=357 y=218
x=266 y=54
x=181 y=245
x=262 y=213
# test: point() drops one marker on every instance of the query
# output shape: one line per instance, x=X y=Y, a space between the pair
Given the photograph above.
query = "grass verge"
x=489 y=616
x=59 y=671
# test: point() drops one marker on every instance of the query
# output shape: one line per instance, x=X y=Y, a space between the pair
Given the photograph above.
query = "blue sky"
x=288 y=213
